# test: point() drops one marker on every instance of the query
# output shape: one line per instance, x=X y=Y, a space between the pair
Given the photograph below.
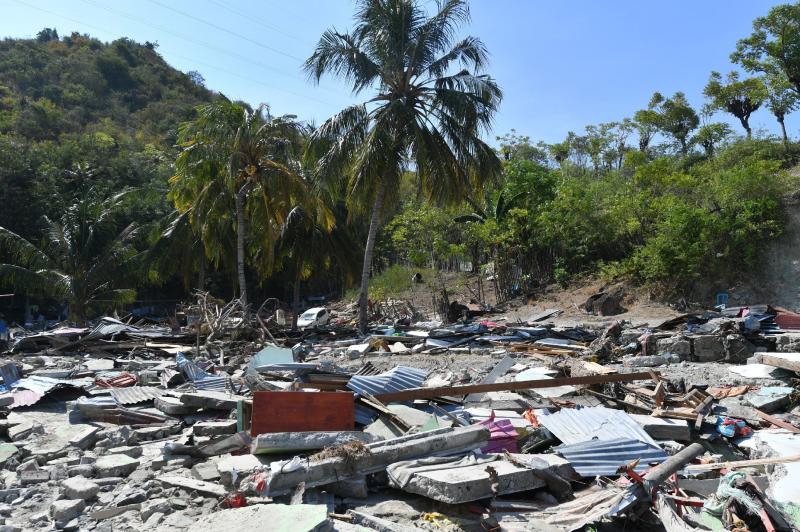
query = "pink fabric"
x=503 y=436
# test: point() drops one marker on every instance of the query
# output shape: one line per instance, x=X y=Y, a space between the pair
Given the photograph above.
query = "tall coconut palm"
x=83 y=261
x=232 y=154
x=430 y=105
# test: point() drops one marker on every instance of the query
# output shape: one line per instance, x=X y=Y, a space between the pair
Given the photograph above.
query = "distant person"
x=416 y=278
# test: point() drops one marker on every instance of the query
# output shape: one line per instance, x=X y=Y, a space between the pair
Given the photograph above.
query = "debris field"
x=223 y=419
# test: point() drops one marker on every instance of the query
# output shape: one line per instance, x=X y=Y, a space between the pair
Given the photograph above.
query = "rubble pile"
x=227 y=419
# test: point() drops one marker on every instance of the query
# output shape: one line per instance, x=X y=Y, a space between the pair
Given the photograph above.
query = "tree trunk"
x=373 y=231
x=783 y=130
x=746 y=125
x=296 y=295
x=201 y=275
x=240 y=197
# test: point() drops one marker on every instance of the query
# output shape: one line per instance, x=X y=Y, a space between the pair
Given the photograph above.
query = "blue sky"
x=562 y=64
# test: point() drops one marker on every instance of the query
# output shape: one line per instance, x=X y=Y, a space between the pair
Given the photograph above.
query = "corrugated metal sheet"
x=603 y=457
x=136 y=394
x=42 y=385
x=217 y=383
x=580 y=425
x=394 y=380
x=24 y=398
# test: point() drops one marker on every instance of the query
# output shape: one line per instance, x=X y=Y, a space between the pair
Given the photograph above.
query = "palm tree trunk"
x=296 y=291
x=240 y=197
x=201 y=275
x=373 y=231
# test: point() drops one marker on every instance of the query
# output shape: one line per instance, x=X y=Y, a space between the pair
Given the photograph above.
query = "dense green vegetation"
x=234 y=200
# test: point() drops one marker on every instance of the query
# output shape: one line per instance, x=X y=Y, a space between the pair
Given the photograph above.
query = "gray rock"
x=115 y=465
x=132 y=496
x=152 y=506
x=66 y=509
x=132 y=451
x=80 y=488
x=84 y=470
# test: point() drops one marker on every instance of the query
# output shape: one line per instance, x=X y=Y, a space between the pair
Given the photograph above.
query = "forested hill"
x=77 y=113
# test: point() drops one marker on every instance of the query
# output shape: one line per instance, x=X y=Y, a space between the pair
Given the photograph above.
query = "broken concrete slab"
x=114 y=511
x=380 y=455
x=378 y=524
x=267 y=518
x=232 y=468
x=282 y=442
x=7 y=450
x=770 y=398
x=661 y=428
x=214 y=428
x=115 y=465
x=473 y=481
x=212 y=400
x=192 y=484
x=205 y=471
x=173 y=406
x=85 y=437
x=20 y=431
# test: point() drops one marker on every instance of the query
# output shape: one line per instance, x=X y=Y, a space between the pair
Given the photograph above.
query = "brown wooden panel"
x=302 y=411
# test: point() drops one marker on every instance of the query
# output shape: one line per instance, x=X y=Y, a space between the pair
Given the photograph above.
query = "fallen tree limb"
x=432 y=393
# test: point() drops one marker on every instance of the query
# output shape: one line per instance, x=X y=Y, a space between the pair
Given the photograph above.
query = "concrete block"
x=134 y=451
x=675 y=345
x=80 y=488
x=7 y=450
x=153 y=506
x=708 y=348
x=214 y=428
x=283 y=442
x=267 y=518
x=211 y=400
x=737 y=349
x=664 y=428
x=85 y=438
x=192 y=484
x=233 y=468
x=66 y=509
x=20 y=431
x=353 y=488
x=115 y=465
x=114 y=511
x=173 y=406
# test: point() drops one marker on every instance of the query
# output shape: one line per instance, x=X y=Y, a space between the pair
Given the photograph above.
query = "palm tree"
x=232 y=154
x=83 y=259
x=306 y=247
x=430 y=106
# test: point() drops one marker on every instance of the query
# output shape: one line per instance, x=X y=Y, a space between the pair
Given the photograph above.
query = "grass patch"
x=392 y=282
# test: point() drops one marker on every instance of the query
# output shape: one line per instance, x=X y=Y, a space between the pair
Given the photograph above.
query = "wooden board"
x=302 y=412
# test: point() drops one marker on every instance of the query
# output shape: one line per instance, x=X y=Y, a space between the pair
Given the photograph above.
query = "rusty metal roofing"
x=604 y=457
x=136 y=394
x=573 y=425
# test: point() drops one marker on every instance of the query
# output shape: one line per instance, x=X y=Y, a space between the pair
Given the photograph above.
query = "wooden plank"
x=777 y=422
x=432 y=393
x=744 y=463
x=302 y=412
x=660 y=393
x=680 y=413
x=790 y=361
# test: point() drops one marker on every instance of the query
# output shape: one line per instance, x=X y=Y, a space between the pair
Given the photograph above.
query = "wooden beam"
x=744 y=463
x=777 y=422
x=790 y=361
x=432 y=393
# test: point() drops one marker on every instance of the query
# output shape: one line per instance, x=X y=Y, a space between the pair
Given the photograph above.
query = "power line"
x=205 y=44
x=229 y=32
x=253 y=18
x=207 y=65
